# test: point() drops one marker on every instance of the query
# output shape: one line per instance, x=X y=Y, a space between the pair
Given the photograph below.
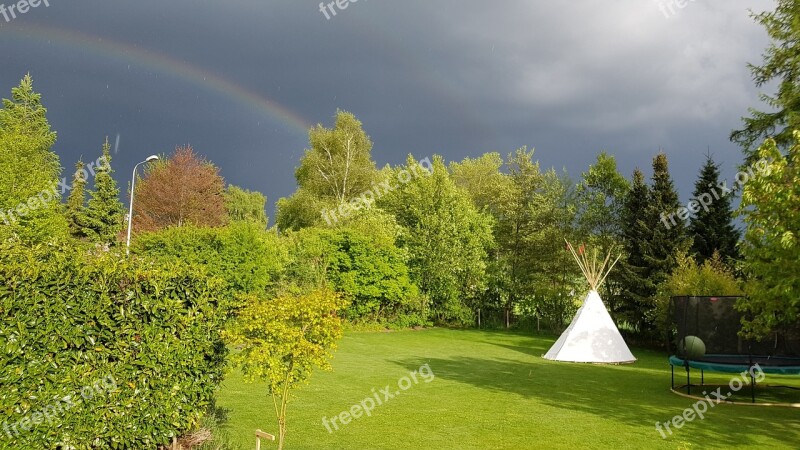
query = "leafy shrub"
x=142 y=339
x=246 y=257
x=711 y=278
x=283 y=339
x=374 y=278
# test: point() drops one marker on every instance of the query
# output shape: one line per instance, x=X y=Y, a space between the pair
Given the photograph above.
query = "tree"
x=283 y=340
x=335 y=169
x=29 y=171
x=104 y=212
x=76 y=208
x=374 y=278
x=446 y=237
x=483 y=180
x=711 y=227
x=650 y=244
x=243 y=205
x=664 y=241
x=637 y=287
x=770 y=209
x=181 y=190
x=780 y=66
x=602 y=199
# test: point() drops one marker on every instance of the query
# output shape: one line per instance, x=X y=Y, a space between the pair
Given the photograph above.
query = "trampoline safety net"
x=716 y=322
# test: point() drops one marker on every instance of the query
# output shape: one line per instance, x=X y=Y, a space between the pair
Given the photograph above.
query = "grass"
x=492 y=390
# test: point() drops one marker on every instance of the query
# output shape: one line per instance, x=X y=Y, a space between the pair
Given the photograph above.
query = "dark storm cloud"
x=452 y=77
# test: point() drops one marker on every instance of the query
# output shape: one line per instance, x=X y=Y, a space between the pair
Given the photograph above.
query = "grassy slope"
x=492 y=390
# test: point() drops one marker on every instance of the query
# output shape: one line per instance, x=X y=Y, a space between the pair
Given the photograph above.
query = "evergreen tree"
x=30 y=203
x=665 y=241
x=636 y=286
x=104 y=212
x=781 y=67
x=711 y=227
x=76 y=208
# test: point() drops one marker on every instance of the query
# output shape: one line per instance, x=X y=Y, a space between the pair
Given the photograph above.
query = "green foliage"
x=710 y=278
x=601 y=206
x=636 y=286
x=770 y=209
x=601 y=197
x=249 y=259
x=284 y=339
x=781 y=67
x=104 y=211
x=482 y=179
x=147 y=334
x=76 y=202
x=650 y=245
x=373 y=278
x=711 y=228
x=335 y=169
x=446 y=237
x=30 y=202
x=246 y=206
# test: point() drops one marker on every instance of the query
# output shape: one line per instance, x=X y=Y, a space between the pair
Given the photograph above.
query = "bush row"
x=102 y=351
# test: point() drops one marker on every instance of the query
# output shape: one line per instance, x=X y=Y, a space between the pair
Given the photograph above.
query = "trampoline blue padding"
x=741 y=363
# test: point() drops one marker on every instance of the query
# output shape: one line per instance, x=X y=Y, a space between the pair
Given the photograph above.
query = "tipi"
x=592 y=336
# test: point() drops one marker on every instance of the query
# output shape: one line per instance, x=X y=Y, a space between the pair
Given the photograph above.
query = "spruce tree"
x=711 y=227
x=104 y=213
x=665 y=240
x=76 y=208
x=635 y=283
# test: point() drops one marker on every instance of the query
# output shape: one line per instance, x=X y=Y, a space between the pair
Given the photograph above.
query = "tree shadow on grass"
x=627 y=394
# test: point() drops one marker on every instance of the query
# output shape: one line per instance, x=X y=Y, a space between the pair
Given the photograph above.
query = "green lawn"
x=492 y=390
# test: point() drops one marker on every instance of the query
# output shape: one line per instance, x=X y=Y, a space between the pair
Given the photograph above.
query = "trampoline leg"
x=672 y=369
x=752 y=386
x=702 y=377
x=688 y=381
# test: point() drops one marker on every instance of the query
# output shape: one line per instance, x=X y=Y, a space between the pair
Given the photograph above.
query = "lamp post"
x=130 y=212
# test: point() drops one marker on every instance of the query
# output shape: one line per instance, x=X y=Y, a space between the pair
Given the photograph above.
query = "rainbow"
x=161 y=63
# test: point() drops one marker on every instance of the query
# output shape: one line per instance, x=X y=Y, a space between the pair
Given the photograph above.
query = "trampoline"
x=715 y=323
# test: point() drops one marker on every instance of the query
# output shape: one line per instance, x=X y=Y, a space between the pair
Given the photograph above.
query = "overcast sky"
x=241 y=81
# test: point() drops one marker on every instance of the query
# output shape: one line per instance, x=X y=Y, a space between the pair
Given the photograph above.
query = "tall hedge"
x=101 y=351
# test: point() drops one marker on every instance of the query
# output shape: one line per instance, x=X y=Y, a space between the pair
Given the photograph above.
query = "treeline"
x=428 y=242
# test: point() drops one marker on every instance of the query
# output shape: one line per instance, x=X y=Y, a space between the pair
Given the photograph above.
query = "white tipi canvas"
x=592 y=337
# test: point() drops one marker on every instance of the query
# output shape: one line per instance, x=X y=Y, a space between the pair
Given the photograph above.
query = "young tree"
x=76 y=207
x=283 y=340
x=711 y=227
x=337 y=168
x=770 y=209
x=104 y=212
x=243 y=205
x=183 y=189
x=781 y=66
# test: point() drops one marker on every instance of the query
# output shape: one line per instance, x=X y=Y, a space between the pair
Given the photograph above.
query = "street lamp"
x=130 y=212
